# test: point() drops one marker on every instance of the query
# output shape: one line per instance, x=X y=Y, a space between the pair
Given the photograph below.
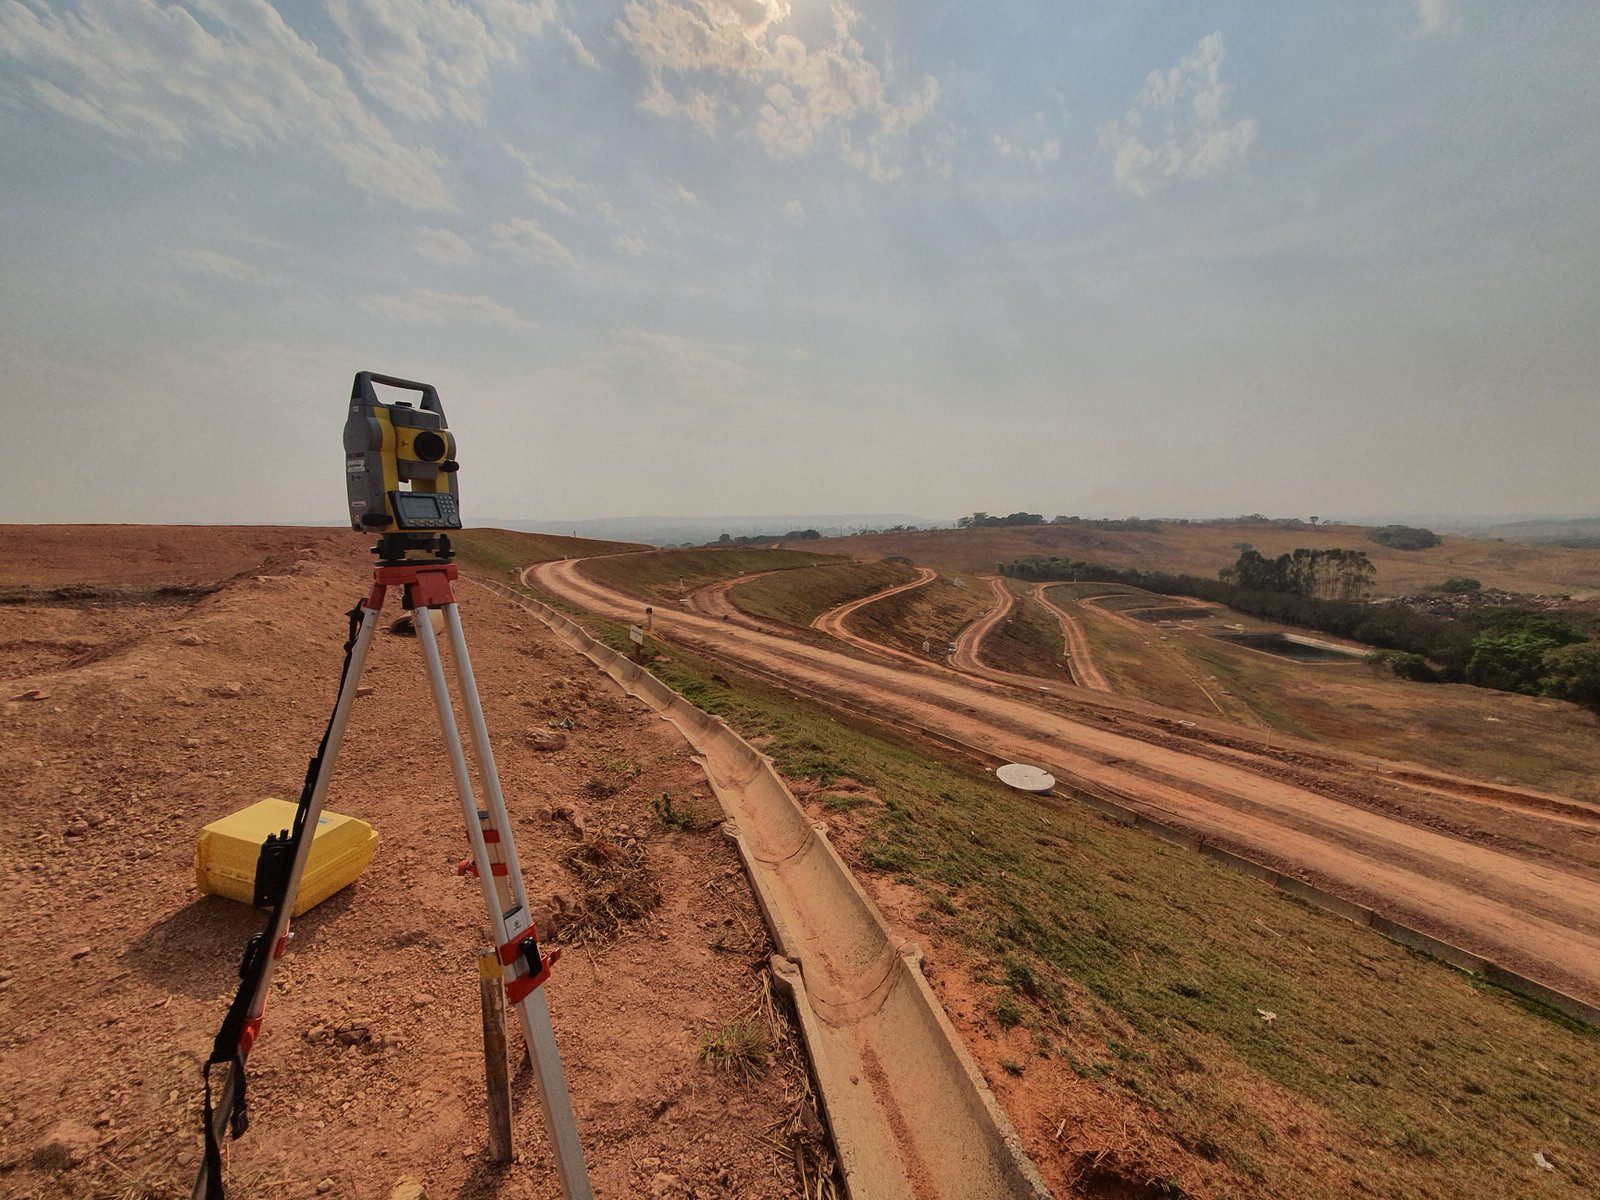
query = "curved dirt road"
x=970 y=643
x=1080 y=657
x=1532 y=914
x=835 y=621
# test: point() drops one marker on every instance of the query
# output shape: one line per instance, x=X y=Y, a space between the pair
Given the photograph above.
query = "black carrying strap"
x=257 y=954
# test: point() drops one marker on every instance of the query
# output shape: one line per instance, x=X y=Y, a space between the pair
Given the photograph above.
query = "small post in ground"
x=496 y=1069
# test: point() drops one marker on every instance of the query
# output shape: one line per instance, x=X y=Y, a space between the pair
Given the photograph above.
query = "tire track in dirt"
x=1080 y=657
x=970 y=643
x=1539 y=918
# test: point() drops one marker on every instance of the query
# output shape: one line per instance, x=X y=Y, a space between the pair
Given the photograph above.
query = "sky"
x=678 y=257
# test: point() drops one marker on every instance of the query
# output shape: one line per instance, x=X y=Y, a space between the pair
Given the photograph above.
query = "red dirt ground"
x=114 y=973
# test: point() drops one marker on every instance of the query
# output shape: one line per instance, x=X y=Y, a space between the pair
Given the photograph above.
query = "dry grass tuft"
x=741 y=1047
x=618 y=888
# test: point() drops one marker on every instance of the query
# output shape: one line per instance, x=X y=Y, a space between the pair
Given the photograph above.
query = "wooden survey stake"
x=496 y=1069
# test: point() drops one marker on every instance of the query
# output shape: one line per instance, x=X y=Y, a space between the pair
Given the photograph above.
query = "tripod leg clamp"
x=525 y=949
x=467 y=867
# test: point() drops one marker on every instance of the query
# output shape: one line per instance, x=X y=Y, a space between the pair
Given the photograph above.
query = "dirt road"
x=970 y=644
x=1080 y=658
x=836 y=620
x=1345 y=829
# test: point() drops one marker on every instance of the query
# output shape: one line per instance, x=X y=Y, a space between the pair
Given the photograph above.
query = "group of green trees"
x=766 y=539
x=1496 y=647
x=982 y=520
x=1404 y=537
x=1330 y=574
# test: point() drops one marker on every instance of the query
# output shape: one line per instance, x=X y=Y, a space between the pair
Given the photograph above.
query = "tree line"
x=1328 y=574
x=766 y=539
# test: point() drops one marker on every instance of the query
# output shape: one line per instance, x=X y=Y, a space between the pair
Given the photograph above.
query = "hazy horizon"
x=762 y=256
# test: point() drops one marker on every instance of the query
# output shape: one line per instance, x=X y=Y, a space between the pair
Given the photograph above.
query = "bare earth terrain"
x=158 y=715
x=1518 y=882
x=159 y=678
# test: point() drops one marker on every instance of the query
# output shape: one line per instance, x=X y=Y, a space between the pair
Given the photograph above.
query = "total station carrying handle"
x=362 y=390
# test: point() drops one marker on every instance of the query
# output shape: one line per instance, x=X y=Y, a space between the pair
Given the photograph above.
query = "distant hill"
x=676 y=531
x=1549 y=531
x=1205 y=547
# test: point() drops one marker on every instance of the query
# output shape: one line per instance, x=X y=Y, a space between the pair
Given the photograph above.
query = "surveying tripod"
x=426 y=586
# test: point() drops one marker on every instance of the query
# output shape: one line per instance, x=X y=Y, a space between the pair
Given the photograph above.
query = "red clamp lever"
x=525 y=947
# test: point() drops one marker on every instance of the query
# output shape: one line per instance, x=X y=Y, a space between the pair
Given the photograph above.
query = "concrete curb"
x=910 y=1113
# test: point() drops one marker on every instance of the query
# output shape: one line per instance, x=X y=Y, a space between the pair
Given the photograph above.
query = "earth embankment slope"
x=1530 y=914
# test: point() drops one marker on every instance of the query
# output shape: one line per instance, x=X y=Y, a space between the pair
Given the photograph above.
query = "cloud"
x=426 y=59
x=795 y=212
x=562 y=194
x=1048 y=151
x=1175 y=129
x=159 y=78
x=423 y=307
x=579 y=50
x=441 y=245
x=223 y=266
x=531 y=242
x=711 y=61
x=709 y=371
x=1436 y=16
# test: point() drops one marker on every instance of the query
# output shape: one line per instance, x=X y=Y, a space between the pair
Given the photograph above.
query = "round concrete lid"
x=1025 y=778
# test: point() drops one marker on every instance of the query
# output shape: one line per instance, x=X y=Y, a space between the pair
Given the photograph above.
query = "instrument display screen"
x=426 y=510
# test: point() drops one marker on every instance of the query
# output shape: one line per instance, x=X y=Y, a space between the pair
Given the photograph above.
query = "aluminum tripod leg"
x=533 y=1011
x=280 y=930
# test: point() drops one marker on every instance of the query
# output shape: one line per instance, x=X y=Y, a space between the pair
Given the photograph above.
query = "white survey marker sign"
x=636 y=635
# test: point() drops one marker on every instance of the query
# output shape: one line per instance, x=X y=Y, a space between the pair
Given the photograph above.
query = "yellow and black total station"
x=400 y=466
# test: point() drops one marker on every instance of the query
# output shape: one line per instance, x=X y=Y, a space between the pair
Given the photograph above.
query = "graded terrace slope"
x=668 y=576
x=800 y=597
x=1527 y=907
x=1113 y=987
x=1491 y=735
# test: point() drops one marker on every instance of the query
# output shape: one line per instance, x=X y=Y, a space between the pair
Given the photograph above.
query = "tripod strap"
x=230 y=1045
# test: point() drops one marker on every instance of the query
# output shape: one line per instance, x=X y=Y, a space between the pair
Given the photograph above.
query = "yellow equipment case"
x=225 y=856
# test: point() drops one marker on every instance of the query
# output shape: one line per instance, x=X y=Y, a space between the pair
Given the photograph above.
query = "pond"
x=1286 y=647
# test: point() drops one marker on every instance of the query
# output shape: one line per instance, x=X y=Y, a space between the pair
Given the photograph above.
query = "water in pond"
x=1277 y=643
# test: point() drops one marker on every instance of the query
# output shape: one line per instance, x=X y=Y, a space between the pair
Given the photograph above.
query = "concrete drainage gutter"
x=911 y=1115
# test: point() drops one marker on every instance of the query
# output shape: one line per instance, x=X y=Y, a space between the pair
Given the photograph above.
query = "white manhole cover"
x=1025 y=778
